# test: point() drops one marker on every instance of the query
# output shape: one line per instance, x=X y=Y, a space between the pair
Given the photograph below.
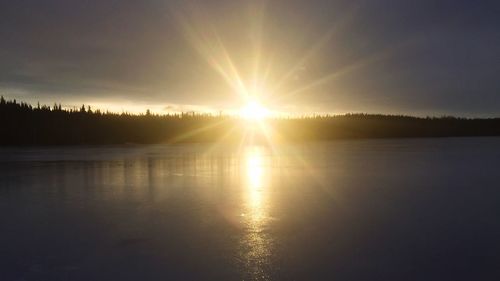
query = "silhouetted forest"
x=24 y=124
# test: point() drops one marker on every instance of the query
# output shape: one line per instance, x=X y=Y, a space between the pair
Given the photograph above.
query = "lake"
x=394 y=209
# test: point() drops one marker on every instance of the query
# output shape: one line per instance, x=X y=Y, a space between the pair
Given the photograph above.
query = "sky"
x=295 y=57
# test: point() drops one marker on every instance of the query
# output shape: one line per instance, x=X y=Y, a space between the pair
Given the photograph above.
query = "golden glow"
x=255 y=171
x=256 y=243
x=254 y=111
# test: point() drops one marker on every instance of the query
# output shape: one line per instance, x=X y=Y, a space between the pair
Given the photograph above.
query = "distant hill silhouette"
x=24 y=124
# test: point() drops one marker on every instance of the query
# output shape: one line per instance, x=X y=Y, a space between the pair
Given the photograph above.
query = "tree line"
x=24 y=124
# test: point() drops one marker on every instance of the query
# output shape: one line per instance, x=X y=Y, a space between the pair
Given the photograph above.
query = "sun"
x=253 y=110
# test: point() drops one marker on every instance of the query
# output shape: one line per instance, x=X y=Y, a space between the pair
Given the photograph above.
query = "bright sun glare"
x=254 y=111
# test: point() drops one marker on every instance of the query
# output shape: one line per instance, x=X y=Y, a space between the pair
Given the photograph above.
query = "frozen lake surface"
x=415 y=209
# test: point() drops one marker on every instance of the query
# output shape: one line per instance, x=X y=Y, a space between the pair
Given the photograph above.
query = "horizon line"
x=229 y=113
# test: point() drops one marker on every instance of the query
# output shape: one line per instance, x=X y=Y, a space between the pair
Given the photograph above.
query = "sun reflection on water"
x=254 y=171
x=256 y=242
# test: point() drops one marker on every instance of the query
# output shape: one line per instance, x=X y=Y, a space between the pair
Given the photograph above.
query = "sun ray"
x=242 y=89
x=358 y=65
x=204 y=38
x=317 y=47
x=257 y=40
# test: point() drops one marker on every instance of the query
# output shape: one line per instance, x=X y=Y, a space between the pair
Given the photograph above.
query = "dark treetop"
x=23 y=124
